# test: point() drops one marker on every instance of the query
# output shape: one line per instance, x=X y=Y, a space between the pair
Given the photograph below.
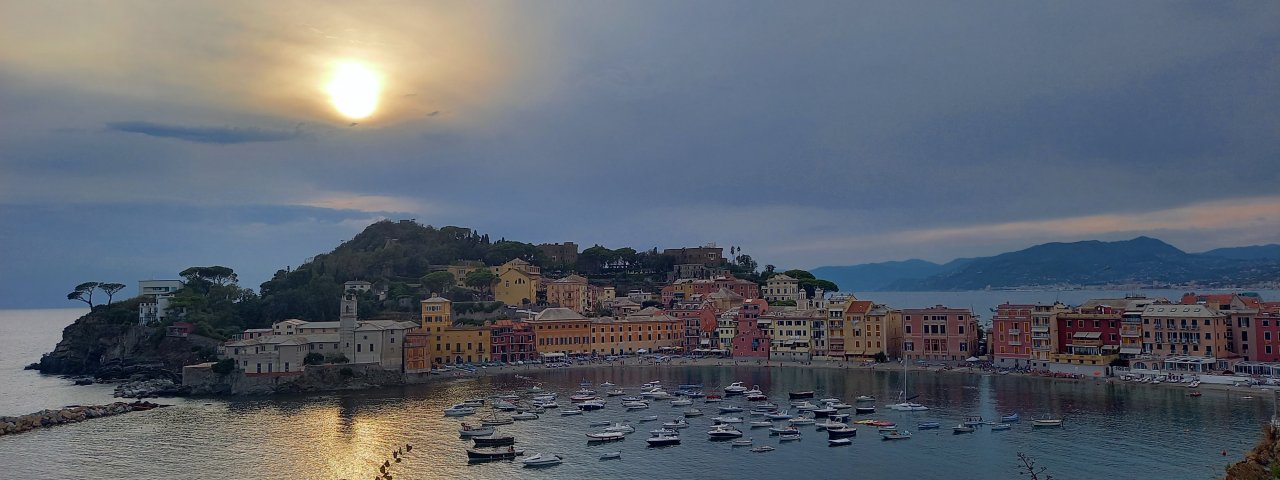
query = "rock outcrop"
x=72 y=414
x=109 y=344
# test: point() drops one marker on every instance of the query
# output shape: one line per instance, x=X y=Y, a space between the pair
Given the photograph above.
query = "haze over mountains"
x=1140 y=261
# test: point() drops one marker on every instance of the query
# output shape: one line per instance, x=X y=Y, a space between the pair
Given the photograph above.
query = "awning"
x=1110 y=347
x=1087 y=335
x=1130 y=350
x=553 y=355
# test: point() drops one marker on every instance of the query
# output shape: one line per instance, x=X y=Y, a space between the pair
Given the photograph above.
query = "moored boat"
x=1012 y=417
x=864 y=410
x=803 y=394
x=470 y=430
x=789 y=436
x=524 y=416
x=730 y=409
x=693 y=412
x=605 y=436
x=619 y=427
x=1047 y=422
x=735 y=388
x=610 y=455
x=677 y=423
x=762 y=449
x=712 y=399
x=928 y=425
x=492 y=441
x=726 y=419
x=1001 y=426
x=895 y=434
x=663 y=439
x=565 y=413
x=542 y=460
x=493 y=453
x=962 y=428
x=591 y=405
x=761 y=424
x=839 y=442
x=723 y=431
x=842 y=432
x=459 y=410
x=742 y=442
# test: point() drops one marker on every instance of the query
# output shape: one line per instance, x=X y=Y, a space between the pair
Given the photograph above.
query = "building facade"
x=781 y=287
x=751 y=338
x=939 y=334
x=561 y=331
x=1011 y=335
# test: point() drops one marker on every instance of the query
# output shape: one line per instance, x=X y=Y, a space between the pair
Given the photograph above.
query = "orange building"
x=648 y=331
x=561 y=331
x=439 y=342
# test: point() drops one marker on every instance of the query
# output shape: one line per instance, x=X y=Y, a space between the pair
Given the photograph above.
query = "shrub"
x=313 y=358
x=224 y=366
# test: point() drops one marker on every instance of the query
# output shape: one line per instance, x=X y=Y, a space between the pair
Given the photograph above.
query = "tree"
x=438 y=282
x=110 y=289
x=313 y=358
x=480 y=279
x=799 y=274
x=216 y=275
x=224 y=366
x=84 y=293
x=1027 y=466
x=810 y=284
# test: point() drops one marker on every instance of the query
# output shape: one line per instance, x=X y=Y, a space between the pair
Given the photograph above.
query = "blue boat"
x=1012 y=417
x=928 y=426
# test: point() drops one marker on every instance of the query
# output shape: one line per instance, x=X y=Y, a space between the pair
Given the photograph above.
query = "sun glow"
x=354 y=89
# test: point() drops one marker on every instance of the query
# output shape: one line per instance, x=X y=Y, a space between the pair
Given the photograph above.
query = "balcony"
x=1039 y=329
x=1015 y=331
x=1040 y=348
x=1040 y=336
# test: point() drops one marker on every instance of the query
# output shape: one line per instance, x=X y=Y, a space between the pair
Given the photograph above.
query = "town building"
x=1187 y=338
x=1088 y=340
x=781 y=287
x=1131 y=329
x=1011 y=335
x=939 y=334
x=649 y=331
x=872 y=330
x=516 y=287
x=709 y=255
x=751 y=338
x=790 y=332
x=561 y=254
x=154 y=308
x=560 y=332
x=695 y=317
x=512 y=341
x=571 y=292
x=439 y=342
x=726 y=329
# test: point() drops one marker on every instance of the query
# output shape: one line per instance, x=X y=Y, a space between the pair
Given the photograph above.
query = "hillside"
x=878 y=276
x=1253 y=252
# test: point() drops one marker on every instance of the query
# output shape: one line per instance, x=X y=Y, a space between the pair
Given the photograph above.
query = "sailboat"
x=904 y=401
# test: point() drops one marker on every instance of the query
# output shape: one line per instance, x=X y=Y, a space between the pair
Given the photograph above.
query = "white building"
x=781 y=287
x=155 y=308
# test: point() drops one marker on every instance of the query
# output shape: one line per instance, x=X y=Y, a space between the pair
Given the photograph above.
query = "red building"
x=751 y=339
x=1011 y=335
x=695 y=318
x=511 y=341
x=939 y=333
x=1266 y=333
x=746 y=288
x=1088 y=333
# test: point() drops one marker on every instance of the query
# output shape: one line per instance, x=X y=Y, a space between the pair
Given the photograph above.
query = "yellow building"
x=561 y=331
x=648 y=331
x=445 y=343
x=570 y=292
x=516 y=287
x=461 y=269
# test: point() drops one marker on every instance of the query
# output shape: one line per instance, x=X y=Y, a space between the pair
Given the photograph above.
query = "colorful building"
x=512 y=341
x=781 y=287
x=571 y=292
x=1186 y=338
x=871 y=329
x=516 y=287
x=1088 y=338
x=560 y=331
x=649 y=331
x=939 y=334
x=695 y=318
x=790 y=332
x=751 y=338
x=1011 y=335
x=439 y=342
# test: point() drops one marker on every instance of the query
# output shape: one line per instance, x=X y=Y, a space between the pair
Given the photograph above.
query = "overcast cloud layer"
x=137 y=140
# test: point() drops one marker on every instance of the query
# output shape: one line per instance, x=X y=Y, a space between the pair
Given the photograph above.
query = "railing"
x=1039 y=329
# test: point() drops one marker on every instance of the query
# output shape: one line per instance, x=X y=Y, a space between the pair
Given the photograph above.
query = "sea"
x=1111 y=429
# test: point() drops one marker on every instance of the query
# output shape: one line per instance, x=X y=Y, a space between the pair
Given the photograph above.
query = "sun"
x=354 y=89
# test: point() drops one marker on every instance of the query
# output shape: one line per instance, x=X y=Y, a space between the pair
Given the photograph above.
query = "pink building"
x=751 y=341
x=694 y=318
x=1010 y=338
x=939 y=334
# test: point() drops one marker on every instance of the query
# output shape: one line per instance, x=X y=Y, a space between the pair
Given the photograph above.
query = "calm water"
x=1119 y=431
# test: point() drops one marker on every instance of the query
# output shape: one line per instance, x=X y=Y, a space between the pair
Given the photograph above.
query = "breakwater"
x=72 y=414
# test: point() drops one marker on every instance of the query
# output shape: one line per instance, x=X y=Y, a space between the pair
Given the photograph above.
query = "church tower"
x=347 y=325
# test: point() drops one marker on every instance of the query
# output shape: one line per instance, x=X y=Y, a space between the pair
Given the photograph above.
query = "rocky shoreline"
x=72 y=414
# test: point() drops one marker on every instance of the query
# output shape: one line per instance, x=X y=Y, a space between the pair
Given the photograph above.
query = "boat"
x=1194 y=393
x=1194 y=384
x=762 y=449
x=761 y=424
x=603 y=423
x=607 y=384
x=839 y=442
x=724 y=419
x=541 y=460
x=565 y=413
x=789 y=436
x=755 y=390
x=804 y=406
x=928 y=426
x=619 y=427
x=822 y=412
x=712 y=398
x=584 y=383
x=742 y=442
x=730 y=409
x=507 y=396
x=525 y=416
x=649 y=418
x=887 y=429
x=895 y=435
x=723 y=431
x=469 y=430
x=494 y=420
x=535 y=389
x=782 y=430
x=492 y=441
x=632 y=398
x=547 y=404
x=475 y=402
x=783 y=415
x=459 y=411
x=1047 y=422
x=962 y=428
x=591 y=405
x=681 y=402
x=825 y=424
x=677 y=423
x=865 y=398
x=764 y=407
x=581 y=398
x=864 y=410
x=659 y=431
x=504 y=405
x=735 y=388
x=610 y=455
x=635 y=405
x=838 y=405
x=693 y=412
x=757 y=397
x=974 y=421
x=801 y=421
x=615 y=392
x=605 y=436
x=663 y=439
x=803 y=394
x=1001 y=426
x=838 y=417
x=493 y=453
x=842 y=432
x=904 y=400
x=1012 y=417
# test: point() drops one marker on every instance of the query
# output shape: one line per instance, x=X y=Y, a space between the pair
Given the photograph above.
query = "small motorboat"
x=928 y=426
x=825 y=424
x=525 y=416
x=865 y=398
x=1194 y=393
x=838 y=417
x=895 y=435
x=839 y=442
x=610 y=455
x=1047 y=422
x=504 y=405
x=689 y=386
x=475 y=402
x=591 y=405
x=887 y=429
x=782 y=430
x=470 y=430
x=605 y=436
x=712 y=398
x=842 y=432
x=757 y=397
x=974 y=421
x=619 y=427
x=783 y=415
x=547 y=404
x=663 y=439
x=742 y=442
x=1012 y=417
x=1194 y=384
x=608 y=384
x=615 y=392
x=962 y=428
x=494 y=420
x=735 y=388
x=804 y=406
x=565 y=413
x=535 y=389
x=649 y=418
x=789 y=437
x=823 y=412
x=762 y=449
x=838 y=405
x=459 y=411
x=801 y=421
x=632 y=398
x=660 y=431
x=635 y=405
x=494 y=453
x=803 y=394
x=492 y=441
x=604 y=423
x=581 y=398
x=507 y=396
x=864 y=410
x=725 y=419
x=692 y=412
x=677 y=423
x=761 y=424
x=730 y=409
x=1001 y=426
x=723 y=432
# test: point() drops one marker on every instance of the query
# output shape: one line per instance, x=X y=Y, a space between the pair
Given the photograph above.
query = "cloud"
x=366 y=203
x=217 y=135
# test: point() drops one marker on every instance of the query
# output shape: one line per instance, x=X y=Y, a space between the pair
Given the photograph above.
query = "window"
x=357 y=347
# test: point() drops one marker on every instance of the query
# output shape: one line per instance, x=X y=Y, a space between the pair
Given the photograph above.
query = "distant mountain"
x=1140 y=261
x=876 y=276
x=1254 y=252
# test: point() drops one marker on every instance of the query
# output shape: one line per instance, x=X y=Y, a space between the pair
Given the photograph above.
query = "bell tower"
x=347 y=325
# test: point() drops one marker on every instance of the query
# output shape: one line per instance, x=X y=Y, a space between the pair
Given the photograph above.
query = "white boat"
x=475 y=402
x=783 y=415
x=495 y=420
x=663 y=439
x=469 y=430
x=782 y=430
x=1193 y=384
x=635 y=405
x=723 y=431
x=801 y=421
x=1047 y=422
x=547 y=404
x=735 y=388
x=649 y=418
x=762 y=424
x=605 y=436
x=908 y=407
x=542 y=460
x=825 y=424
x=615 y=392
x=619 y=427
x=865 y=398
x=591 y=405
x=581 y=398
x=459 y=411
x=524 y=416
x=743 y=442
x=565 y=413
x=610 y=455
x=535 y=389
x=962 y=428
x=764 y=407
x=730 y=409
x=905 y=404
x=839 y=442
x=660 y=431
x=887 y=428
x=677 y=423
x=693 y=412
x=723 y=419
x=822 y=412
x=607 y=384
x=755 y=390
x=762 y=449
x=829 y=400
x=839 y=406
x=712 y=399
x=507 y=396
x=804 y=406
x=895 y=435
x=1001 y=426
x=789 y=437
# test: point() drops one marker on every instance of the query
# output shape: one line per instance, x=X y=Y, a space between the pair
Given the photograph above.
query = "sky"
x=141 y=138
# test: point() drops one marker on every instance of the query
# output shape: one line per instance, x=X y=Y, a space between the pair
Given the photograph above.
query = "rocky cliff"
x=1263 y=462
x=109 y=344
